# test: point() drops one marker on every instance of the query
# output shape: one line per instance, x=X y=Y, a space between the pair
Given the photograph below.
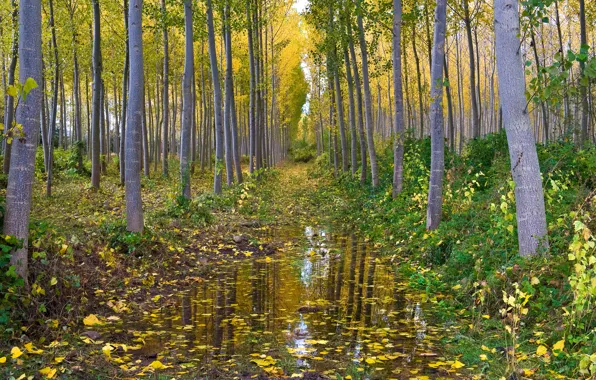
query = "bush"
x=10 y=282
x=194 y=210
x=128 y=242
x=301 y=151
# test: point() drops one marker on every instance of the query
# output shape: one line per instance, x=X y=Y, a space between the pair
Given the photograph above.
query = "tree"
x=96 y=102
x=187 y=103
x=9 y=103
x=219 y=132
x=134 y=122
x=437 y=159
x=374 y=170
x=473 y=98
x=22 y=170
x=125 y=73
x=398 y=147
x=525 y=170
x=166 y=89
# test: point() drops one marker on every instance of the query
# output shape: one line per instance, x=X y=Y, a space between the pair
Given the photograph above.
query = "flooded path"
x=327 y=304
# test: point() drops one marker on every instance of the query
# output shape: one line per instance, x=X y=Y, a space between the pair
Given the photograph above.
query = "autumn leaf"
x=457 y=364
x=541 y=350
x=156 y=364
x=92 y=320
x=32 y=350
x=558 y=347
x=16 y=352
x=48 y=372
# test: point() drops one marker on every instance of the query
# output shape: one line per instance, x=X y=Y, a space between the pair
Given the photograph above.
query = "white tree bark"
x=134 y=121
x=529 y=197
x=437 y=160
x=187 y=103
x=22 y=169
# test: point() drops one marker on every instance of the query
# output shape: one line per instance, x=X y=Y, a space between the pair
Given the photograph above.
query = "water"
x=332 y=307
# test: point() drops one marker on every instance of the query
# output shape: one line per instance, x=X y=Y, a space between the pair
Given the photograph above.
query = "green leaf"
x=12 y=91
x=30 y=84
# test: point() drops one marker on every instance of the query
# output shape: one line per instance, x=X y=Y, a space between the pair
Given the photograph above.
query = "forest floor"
x=109 y=304
x=295 y=275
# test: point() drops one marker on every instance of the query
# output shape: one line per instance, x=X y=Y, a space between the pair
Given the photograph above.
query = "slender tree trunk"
x=352 y=112
x=9 y=100
x=22 y=171
x=50 y=162
x=473 y=99
x=229 y=153
x=531 y=216
x=231 y=102
x=125 y=73
x=359 y=107
x=134 y=202
x=419 y=82
x=398 y=144
x=451 y=125
x=341 y=123
x=165 y=96
x=96 y=103
x=437 y=159
x=251 y=107
x=217 y=111
x=368 y=104
x=583 y=88
x=187 y=104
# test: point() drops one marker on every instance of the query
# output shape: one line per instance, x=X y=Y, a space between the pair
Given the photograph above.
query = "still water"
x=328 y=304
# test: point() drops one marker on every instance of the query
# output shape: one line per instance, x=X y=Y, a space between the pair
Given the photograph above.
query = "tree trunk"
x=125 y=73
x=473 y=99
x=22 y=172
x=165 y=97
x=352 y=112
x=95 y=153
x=219 y=132
x=134 y=202
x=583 y=88
x=230 y=98
x=531 y=217
x=398 y=122
x=437 y=158
x=368 y=104
x=187 y=104
x=10 y=101
x=359 y=107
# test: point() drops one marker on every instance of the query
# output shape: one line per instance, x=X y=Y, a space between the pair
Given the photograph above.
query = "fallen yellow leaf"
x=558 y=347
x=541 y=350
x=48 y=372
x=457 y=364
x=91 y=320
x=16 y=352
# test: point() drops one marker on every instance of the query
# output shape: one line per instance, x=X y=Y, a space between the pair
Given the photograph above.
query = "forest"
x=298 y=189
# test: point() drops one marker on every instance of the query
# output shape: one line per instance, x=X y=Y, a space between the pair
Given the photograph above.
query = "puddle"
x=332 y=306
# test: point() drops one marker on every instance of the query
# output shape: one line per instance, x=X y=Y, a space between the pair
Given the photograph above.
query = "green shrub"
x=10 y=282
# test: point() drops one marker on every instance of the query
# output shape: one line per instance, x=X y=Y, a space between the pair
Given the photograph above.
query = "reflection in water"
x=334 y=302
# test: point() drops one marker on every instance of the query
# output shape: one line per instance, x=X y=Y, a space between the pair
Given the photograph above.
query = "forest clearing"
x=281 y=189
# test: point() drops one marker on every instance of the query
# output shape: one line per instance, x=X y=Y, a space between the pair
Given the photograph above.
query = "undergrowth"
x=472 y=256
